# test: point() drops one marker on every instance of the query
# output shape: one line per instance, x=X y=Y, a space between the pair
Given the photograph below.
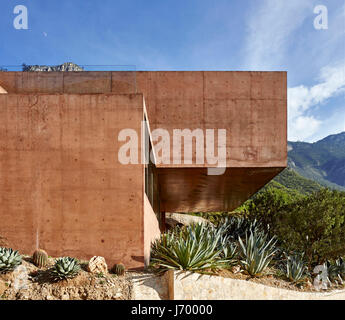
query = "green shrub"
x=192 y=248
x=9 y=259
x=256 y=252
x=314 y=225
x=266 y=204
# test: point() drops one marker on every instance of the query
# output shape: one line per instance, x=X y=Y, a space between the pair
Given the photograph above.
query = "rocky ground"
x=28 y=282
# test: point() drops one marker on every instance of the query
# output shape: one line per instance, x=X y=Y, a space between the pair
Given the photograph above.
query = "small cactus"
x=9 y=259
x=119 y=269
x=40 y=258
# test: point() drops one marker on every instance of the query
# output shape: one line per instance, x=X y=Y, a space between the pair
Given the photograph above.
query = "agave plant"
x=256 y=252
x=193 y=248
x=64 y=268
x=336 y=270
x=296 y=268
x=237 y=227
x=228 y=250
x=9 y=259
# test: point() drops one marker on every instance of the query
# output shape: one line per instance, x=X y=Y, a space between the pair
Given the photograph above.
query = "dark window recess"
x=151 y=178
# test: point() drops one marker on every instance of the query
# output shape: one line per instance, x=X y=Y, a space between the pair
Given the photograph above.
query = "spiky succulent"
x=228 y=251
x=193 y=248
x=9 y=259
x=256 y=252
x=64 y=268
x=237 y=227
x=336 y=270
x=295 y=268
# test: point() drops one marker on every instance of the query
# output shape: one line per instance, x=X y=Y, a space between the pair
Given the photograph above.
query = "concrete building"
x=63 y=187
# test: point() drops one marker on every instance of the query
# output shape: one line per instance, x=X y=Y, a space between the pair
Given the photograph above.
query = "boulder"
x=97 y=265
x=174 y=219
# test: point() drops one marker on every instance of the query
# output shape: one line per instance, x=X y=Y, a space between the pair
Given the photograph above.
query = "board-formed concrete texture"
x=62 y=187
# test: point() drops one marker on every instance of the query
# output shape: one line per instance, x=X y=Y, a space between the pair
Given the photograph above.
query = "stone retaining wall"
x=192 y=286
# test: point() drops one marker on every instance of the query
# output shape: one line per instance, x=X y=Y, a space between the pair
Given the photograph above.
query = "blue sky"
x=196 y=35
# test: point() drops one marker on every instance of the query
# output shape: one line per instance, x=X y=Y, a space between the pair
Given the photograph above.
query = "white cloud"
x=269 y=31
x=302 y=99
x=303 y=127
x=330 y=125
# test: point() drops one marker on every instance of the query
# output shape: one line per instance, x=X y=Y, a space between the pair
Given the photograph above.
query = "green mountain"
x=291 y=181
x=322 y=161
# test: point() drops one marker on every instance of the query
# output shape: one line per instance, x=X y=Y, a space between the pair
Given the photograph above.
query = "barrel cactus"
x=9 y=259
x=119 y=269
x=65 y=268
x=40 y=258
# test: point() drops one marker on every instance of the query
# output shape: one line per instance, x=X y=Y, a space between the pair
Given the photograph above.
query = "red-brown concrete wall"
x=61 y=186
x=151 y=228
